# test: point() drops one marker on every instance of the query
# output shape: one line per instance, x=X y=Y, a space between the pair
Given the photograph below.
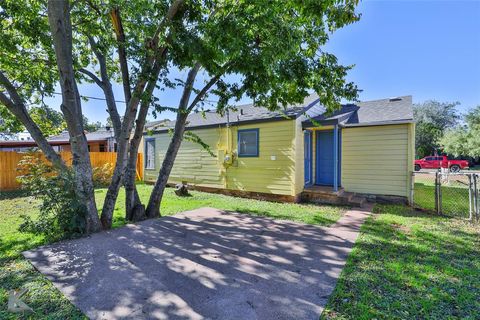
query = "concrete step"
x=347 y=196
x=357 y=201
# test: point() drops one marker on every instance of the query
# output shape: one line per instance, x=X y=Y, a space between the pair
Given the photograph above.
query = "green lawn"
x=475 y=168
x=48 y=303
x=410 y=265
x=455 y=198
x=405 y=265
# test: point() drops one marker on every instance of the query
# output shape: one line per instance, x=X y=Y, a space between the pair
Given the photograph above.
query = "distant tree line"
x=440 y=128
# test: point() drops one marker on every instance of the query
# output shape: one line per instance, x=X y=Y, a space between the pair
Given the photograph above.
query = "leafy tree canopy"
x=91 y=126
x=50 y=121
x=464 y=140
x=432 y=119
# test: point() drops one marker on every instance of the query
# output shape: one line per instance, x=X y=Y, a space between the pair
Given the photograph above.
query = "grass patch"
x=410 y=265
x=49 y=303
x=455 y=199
x=171 y=204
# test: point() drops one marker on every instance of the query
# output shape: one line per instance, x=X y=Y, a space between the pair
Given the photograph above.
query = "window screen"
x=248 y=143
x=150 y=154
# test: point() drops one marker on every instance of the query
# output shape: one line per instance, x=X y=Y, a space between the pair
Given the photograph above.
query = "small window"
x=248 y=143
x=430 y=158
x=439 y=158
x=102 y=148
x=150 y=153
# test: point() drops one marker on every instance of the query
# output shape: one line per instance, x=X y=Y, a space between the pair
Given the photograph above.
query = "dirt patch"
x=401 y=228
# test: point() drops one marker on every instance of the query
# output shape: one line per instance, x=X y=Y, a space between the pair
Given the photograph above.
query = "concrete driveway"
x=202 y=264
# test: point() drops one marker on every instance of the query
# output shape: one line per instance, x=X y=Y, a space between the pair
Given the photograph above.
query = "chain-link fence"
x=454 y=194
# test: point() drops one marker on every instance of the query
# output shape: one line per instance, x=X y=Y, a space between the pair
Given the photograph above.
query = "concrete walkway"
x=203 y=264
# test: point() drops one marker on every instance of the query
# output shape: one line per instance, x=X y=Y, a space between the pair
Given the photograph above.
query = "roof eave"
x=379 y=123
x=224 y=124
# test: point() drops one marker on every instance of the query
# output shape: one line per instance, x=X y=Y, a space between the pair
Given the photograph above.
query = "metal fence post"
x=471 y=195
x=412 y=190
x=440 y=202
x=436 y=192
x=476 y=195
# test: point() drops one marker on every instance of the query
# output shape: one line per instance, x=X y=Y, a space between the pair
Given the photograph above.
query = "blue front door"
x=308 y=157
x=324 y=155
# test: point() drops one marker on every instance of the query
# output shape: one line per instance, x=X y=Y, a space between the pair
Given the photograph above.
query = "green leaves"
x=27 y=56
x=464 y=140
x=432 y=118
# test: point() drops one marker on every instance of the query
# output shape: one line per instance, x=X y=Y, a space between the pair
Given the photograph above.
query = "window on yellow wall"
x=248 y=143
x=150 y=153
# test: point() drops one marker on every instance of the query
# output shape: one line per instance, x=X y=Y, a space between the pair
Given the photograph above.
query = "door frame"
x=308 y=147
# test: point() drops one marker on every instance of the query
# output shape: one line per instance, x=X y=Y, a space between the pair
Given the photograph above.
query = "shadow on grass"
x=455 y=200
x=7 y=195
x=408 y=264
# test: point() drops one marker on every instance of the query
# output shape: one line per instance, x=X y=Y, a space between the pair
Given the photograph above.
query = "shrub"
x=61 y=214
x=102 y=175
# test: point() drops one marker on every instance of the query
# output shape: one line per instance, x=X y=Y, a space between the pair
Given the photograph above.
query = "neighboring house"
x=365 y=148
x=20 y=136
x=101 y=140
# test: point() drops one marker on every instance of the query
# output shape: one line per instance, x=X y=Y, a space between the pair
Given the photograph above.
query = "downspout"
x=228 y=130
x=228 y=148
x=335 y=158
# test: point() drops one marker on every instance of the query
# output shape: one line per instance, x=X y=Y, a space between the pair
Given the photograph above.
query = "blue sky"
x=429 y=49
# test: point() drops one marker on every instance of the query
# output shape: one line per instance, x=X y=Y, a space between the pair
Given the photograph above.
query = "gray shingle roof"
x=101 y=134
x=392 y=110
x=361 y=113
x=384 y=110
x=241 y=113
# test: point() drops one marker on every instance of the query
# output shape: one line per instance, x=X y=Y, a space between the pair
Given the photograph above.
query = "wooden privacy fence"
x=9 y=161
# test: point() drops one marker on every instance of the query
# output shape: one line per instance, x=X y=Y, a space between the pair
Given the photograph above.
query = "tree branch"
x=187 y=89
x=122 y=55
x=106 y=86
x=16 y=106
x=92 y=76
x=172 y=11
x=208 y=86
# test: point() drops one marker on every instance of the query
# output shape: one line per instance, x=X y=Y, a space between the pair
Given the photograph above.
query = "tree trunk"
x=134 y=210
x=132 y=104
x=153 y=208
x=60 y=25
x=122 y=155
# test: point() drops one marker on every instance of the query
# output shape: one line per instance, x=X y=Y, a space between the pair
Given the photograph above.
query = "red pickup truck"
x=437 y=162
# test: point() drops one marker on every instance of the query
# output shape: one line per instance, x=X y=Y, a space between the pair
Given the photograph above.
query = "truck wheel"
x=417 y=167
x=455 y=168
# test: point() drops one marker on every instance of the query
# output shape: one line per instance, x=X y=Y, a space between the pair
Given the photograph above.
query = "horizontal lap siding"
x=256 y=174
x=193 y=163
x=262 y=174
x=375 y=159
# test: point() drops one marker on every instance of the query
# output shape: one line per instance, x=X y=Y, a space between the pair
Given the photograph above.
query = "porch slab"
x=202 y=264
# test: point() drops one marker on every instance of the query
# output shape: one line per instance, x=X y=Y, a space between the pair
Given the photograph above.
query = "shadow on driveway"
x=202 y=264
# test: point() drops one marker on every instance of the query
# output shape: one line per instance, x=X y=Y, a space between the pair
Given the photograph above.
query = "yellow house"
x=365 y=151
